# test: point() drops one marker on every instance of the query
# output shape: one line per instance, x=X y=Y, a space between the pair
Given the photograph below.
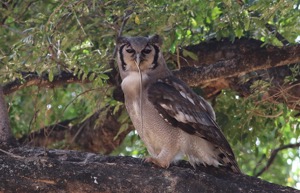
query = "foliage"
x=77 y=36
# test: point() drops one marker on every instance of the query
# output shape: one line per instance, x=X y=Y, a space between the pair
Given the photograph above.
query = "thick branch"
x=273 y=155
x=231 y=60
x=37 y=170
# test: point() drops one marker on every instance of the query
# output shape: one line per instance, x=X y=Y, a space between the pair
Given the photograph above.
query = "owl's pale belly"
x=155 y=134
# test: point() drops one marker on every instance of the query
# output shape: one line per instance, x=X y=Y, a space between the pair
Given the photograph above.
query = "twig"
x=259 y=163
x=53 y=13
x=282 y=91
x=81 y=27
x=33 y=79
x=282 y=39
x=258 y=113
x=11 y=154
x=273 y=155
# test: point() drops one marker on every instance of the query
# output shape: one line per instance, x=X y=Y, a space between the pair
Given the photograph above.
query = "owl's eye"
x=130 y=51
x=146 y=51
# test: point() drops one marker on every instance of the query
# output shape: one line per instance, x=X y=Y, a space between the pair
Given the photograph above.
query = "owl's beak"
x=138 y=59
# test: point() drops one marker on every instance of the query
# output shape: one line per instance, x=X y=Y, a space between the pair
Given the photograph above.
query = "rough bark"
x=39 y=170
x=226 y=59
x=237 y=65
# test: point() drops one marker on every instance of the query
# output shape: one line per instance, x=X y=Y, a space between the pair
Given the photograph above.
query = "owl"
x=170 y=118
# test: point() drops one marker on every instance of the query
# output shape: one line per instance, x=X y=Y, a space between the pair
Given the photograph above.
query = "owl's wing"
x=182 y=108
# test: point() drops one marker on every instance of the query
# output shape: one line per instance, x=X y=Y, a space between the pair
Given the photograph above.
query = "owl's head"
x=140 y=54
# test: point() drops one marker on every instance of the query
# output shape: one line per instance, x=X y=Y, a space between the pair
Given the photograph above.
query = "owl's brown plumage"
x=169 y=117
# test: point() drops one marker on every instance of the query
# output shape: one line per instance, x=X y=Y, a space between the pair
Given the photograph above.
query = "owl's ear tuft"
x=122 y=40
x=156 y=39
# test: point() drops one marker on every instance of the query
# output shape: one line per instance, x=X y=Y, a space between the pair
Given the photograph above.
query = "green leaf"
x=50 y=75
x=137 y=20
x=123 y=128
x=92 y=76
x=216 y=12
x=194 y=22
x=103 y=76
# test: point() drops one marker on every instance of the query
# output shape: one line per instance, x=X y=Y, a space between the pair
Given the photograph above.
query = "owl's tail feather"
x=228 y=161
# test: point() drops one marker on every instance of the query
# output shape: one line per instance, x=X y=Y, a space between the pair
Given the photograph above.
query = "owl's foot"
x=157 y=162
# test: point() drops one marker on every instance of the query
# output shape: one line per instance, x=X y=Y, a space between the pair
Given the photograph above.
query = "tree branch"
x=236 y=59
x=33 y=79
x=40 y=170
x=273 y=155
x=273 y=29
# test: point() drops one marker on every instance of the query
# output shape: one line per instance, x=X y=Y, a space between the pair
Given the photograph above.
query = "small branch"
x=11 y=154
x=258 y=113
x=274 y=154
x=246 y=56
x=282 y=39
x=33 y=79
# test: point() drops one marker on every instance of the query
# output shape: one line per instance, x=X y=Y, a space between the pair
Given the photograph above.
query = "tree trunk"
x=5 y=130
x=38 y=170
